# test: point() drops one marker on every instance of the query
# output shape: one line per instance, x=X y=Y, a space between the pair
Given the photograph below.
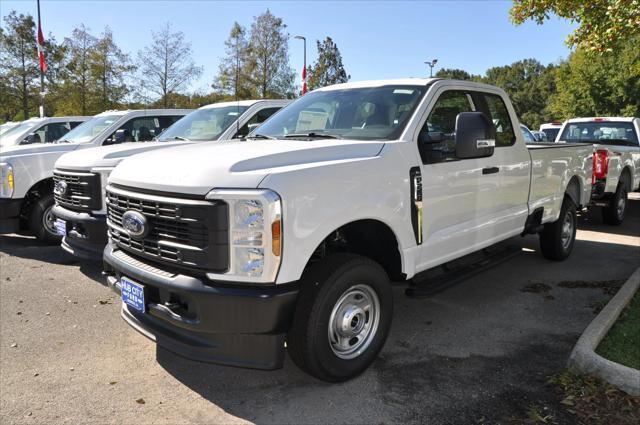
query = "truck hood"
x=196 y=169
x=108 y=156
x=23 y=150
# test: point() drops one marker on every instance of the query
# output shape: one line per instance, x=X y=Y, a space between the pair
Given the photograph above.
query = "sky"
x=377 y=39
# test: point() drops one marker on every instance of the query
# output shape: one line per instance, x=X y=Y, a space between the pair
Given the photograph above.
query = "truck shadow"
x=29 y=248
x=592 y=219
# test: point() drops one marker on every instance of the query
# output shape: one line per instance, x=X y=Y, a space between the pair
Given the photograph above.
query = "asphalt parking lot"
x=481 y=350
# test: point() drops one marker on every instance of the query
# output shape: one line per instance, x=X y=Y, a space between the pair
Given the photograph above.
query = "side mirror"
x=475 y=135
x=30 y=139
x=117 y=137
x=252 y=127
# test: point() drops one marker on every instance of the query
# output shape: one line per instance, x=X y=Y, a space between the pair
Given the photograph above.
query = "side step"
x=437 y=280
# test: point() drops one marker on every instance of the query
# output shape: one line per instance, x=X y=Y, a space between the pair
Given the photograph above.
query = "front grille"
x=82 y=192
x=182 y=232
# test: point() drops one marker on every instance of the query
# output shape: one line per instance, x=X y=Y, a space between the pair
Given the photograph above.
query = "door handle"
x=490 y=170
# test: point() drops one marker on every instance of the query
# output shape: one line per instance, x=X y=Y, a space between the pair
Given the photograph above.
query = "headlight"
x=255 y=234
x=6 y=180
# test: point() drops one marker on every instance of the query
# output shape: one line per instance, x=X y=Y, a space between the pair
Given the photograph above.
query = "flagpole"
x=41 y=69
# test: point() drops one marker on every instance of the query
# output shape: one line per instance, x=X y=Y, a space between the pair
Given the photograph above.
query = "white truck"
x=80 y=177
x=222 y=252
x=26 y=166
x=616 y=159
x=551 y=129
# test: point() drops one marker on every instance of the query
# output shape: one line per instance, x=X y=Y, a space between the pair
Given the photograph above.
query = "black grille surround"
x=83 y=190
x=190 y=234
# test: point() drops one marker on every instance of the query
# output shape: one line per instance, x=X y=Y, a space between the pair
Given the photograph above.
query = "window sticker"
x=311 y=120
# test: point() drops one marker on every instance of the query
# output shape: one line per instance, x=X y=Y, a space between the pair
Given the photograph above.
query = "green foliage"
x=530 y=85
x=234 y=72
x=622 y=343
x=604 y=25
x=328 y=68
x=599 y=84
x=455 y=74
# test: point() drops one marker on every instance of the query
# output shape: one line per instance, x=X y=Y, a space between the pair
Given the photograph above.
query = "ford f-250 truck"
x=222 y=252
x=616 y=159
x=26 y=171
x=80 y=177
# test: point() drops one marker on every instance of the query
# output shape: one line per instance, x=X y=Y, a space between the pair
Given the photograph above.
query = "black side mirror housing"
x=475 y=135
x=116 y=138
x=30 y=139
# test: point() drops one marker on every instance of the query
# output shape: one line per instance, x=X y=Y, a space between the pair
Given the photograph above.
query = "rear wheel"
x=557 y=238
x=342 y=318
x=614 y=213
x=41 y=220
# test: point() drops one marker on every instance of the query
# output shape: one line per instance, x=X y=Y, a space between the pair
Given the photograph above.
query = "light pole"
x=431 y=64
x=304 y=68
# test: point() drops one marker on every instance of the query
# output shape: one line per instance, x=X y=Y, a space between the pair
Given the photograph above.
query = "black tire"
x=614 y=213
x=323 y=285
x=36 y=221
x=555 y=242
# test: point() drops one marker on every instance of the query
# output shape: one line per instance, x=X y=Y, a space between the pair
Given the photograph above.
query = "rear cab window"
x=614 y=133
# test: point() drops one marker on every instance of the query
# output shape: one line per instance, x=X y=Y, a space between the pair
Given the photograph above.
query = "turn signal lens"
x=276 y=237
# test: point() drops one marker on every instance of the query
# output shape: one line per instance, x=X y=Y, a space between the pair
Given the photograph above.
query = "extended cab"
x=223 y=252
x=26 y=169
x=80 y=177
x=616 y=159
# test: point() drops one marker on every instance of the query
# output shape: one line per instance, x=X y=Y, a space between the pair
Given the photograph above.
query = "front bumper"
x=10 y=215
x=226 y=324
x=86 y=234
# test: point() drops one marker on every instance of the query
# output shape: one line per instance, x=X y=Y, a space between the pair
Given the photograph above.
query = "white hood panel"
x=198 y=168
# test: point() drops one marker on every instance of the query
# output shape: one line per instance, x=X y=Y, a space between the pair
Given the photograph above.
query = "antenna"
x=237 y=82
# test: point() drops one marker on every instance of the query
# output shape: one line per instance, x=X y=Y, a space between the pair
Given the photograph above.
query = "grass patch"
x=622 y=343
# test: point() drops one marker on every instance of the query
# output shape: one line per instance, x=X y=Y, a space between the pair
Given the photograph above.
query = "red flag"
x=304 y=80
x=43 y=64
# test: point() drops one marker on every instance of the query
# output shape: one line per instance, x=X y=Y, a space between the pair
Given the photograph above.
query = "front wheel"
x=41 y=221
x=614 y=213
x=557 y=238
x=342 y=318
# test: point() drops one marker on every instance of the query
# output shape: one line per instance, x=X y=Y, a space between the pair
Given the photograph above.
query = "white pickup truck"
x=80 y=177
x=616 y=159
x=26 y=170
x=223 y=252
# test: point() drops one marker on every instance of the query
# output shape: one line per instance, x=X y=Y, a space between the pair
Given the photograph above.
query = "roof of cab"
x=594 y=119
x=247 y=103
x=154 y=111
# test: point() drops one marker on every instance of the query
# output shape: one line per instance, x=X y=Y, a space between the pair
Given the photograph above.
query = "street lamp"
x=304 y=68
x=431 y=65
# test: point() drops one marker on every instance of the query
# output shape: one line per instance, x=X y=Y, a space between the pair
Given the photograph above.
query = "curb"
x=584 y=358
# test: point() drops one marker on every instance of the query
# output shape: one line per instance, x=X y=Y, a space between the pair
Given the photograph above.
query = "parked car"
x=616 y=159
x=26 y=198
x=540 y=136
x=8 y=126
x=82 y=222
x=528 y=135
x=223 y=252
x=38 y=130
x=551 y=130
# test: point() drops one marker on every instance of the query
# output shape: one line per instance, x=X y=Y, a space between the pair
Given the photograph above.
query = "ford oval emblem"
x=60 y=187
x=135 y=224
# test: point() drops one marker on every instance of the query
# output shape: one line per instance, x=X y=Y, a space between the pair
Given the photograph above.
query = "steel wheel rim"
x=48 y=220
x=567 y=230
x=620 y=206
x=354 y=321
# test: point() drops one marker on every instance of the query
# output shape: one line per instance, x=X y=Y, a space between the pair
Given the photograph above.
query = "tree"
x=19 y=67
x=268 y=57
x=529 y=84
x=604 y=25
x=455 y=74
x=166 y=66
x=109 y=67
x=328 y=69
x=78 y=85
x=591 y=84
x=233 y=74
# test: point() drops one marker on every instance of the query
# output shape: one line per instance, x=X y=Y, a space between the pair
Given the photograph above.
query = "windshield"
x=551 y=133
x=528 y=135
x=604 y=133
x=370 y=113
x=12 y=137
x=7 y=126
x=203 y=124
x=88 y=130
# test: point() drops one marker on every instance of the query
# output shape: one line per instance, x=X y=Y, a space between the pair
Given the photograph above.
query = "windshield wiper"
x=261 y=136
x=63 y=141
x=184 y=139
x=312 y=135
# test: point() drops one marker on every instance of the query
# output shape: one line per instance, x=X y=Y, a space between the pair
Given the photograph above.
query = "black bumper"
x=232 y=325
x=86 y=234
x=10 y=215
x=598 y=196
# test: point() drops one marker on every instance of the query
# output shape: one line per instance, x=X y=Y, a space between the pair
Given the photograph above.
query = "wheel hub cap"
x=567 y=230
x=621 y=205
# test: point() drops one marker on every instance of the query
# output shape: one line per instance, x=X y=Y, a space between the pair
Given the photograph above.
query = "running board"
x=432 y=282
